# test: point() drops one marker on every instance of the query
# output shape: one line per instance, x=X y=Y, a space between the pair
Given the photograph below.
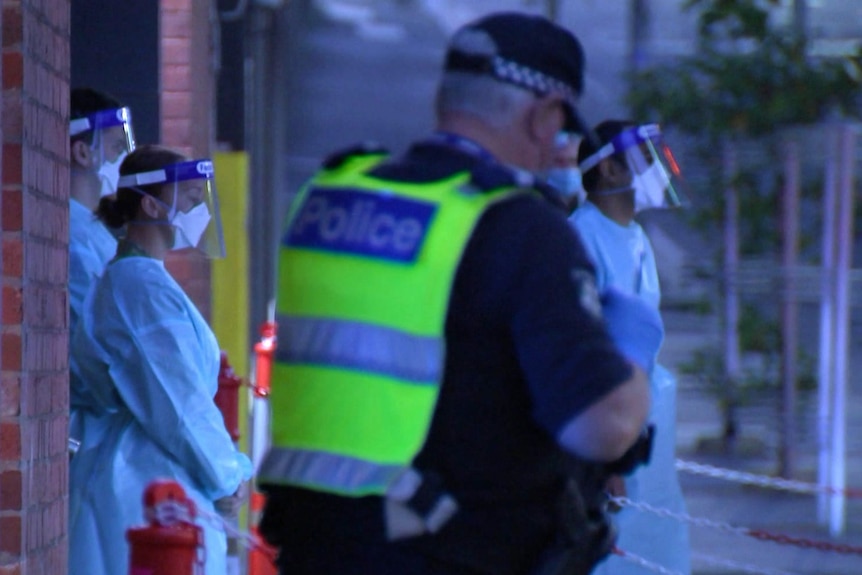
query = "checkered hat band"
x=533 y=80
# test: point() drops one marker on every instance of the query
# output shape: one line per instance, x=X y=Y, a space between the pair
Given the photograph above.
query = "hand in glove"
x=228 y=507
x=635 y=326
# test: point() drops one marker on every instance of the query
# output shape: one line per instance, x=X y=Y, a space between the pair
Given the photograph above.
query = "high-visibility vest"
x=366 y=267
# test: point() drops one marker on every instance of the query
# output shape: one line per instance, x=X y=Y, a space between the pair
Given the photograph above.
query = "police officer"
x=442 y=345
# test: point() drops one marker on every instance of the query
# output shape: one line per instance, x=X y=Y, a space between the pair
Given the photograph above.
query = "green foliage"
x=760 y=337
x=707 y=367
x=747 y=78
x=757 y=333
x=746 y=82
x=736 y=18
x=700 y=306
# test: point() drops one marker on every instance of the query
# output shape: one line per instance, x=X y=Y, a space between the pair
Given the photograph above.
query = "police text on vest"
x=361 y=222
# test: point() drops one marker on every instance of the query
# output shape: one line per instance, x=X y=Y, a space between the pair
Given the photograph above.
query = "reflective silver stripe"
x=360 y=346
x=337 y=473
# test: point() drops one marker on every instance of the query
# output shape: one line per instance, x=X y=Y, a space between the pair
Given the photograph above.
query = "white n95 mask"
x=657 y=177
x=109 y=174
x=650 y=187
x=190 y=226
x=189 y=183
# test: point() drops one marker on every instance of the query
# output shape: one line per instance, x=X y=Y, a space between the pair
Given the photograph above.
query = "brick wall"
x=34 y=216
x=33 y=259
x=188 y=107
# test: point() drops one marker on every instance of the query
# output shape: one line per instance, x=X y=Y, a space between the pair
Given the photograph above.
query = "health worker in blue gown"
x=147 y=365
x=630 y=170
x=100 y=136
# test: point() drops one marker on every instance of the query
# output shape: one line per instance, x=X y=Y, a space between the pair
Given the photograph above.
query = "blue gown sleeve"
x=583 y=222
x=84 y=267
x=158 y=371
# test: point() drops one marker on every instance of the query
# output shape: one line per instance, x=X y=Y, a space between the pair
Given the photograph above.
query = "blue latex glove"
x=635 y=326
x=245 y=465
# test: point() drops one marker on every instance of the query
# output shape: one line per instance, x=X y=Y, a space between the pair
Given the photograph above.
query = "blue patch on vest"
x=362 y=223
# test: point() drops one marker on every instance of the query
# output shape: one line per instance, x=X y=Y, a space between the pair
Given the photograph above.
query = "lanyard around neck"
x=462 y=144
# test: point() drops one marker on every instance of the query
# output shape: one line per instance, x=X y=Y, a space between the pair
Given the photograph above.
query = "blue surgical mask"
x=566 y=180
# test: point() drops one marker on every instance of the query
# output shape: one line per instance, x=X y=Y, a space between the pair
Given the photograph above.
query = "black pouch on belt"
x=585 y=534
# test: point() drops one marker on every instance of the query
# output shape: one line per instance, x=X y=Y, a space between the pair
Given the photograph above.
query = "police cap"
x=525 y=50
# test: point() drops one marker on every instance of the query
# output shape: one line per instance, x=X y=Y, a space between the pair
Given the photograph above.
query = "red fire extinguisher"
x=227 y=400
x=227 y=397
x=261 y=559
x=264 y=351
x=172 y=544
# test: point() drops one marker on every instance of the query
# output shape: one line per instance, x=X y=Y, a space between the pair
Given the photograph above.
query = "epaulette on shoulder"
x=337 y=159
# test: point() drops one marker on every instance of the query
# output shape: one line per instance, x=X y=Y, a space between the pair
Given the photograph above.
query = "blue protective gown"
x=150 y=363
x=91 y=247
x=624 y=259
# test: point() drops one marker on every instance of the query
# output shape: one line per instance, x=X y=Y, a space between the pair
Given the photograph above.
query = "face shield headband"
x=197 y=218
x=105 y=119
x=110 y=150
x=656 y=176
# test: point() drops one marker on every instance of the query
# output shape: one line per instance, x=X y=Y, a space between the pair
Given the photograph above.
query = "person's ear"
x=151 y=207
x=81 y=154
x=614 y=173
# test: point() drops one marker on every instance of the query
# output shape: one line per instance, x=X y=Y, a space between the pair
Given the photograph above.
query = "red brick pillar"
x=187 y=109
x=34 y=388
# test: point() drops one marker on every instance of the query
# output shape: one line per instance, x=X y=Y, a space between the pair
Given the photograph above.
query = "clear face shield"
x=656 y=176
x=113 y=139
x=191 y=202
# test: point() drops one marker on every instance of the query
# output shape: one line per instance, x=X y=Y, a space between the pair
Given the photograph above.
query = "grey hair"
x=484 y=97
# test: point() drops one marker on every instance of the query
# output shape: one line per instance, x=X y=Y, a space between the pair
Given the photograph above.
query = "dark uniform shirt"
x=526 y=351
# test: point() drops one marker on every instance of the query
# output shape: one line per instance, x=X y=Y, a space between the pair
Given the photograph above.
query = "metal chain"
x=170 y=513
x=758 y=534
x=736 y=566
x=763 y=480
x=681 y=517
x=805 y=543
x=645 y=563
x=248 y=540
